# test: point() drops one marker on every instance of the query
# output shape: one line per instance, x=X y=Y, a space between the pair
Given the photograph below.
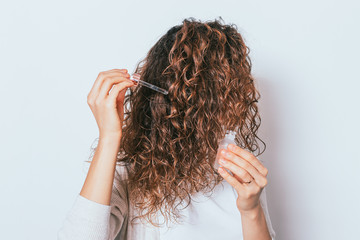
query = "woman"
x=154 y=164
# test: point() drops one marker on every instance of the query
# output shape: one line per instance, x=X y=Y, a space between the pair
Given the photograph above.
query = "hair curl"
x=170 y=142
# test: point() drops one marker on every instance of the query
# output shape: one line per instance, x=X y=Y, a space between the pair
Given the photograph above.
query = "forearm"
x=100 y=177
x=254 y=225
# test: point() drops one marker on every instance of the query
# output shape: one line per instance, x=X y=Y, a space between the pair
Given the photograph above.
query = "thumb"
x=120 y=97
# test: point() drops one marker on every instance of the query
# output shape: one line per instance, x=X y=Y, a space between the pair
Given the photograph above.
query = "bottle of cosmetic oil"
x=229 y=138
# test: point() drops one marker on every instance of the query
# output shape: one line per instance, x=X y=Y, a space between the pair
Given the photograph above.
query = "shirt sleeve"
x=94 y=221
x=263 y=202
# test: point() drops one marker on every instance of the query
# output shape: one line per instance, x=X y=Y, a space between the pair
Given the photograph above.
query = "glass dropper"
x=136 y=77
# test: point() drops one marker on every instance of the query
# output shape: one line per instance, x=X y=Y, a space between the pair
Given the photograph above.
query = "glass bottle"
x=229 y=138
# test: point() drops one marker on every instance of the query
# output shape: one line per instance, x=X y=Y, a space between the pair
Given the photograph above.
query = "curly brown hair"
x=170 y=142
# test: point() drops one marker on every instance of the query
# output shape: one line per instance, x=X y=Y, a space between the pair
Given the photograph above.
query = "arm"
x=101 y=208
x=99 y=180
x=90 y=220
x=257 y=224
x=106 y=101
x=254 y=225
x=249 y=179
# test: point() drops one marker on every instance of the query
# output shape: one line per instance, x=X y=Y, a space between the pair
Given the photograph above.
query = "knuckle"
x=233 y=181
x=247 y=165
x=256 y=190
x=266 y=171
x=107 y=79
x=265 y=182
x=89 y=100
x=118 y=87
x=243 y=174
x=115 y=87
x=101 y=74
x=253 y=159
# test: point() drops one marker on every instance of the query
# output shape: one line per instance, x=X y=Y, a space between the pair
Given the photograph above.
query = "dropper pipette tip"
x=136 y=77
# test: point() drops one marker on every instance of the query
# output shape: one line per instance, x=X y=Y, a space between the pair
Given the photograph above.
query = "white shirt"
x=207 y=217
x=212 y=217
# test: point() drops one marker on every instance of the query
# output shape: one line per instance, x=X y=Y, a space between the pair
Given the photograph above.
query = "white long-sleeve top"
x=211 y=218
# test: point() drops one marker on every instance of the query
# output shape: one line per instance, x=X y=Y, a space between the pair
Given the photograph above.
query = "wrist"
x=253 y=213
x=110 y=140
x=110 y=136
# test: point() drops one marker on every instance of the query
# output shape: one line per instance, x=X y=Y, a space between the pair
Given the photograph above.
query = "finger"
x=249 y=157
x=94 y=92
x=258 y=177
x=117 y=89
x=230 y=179
x=101 y=76
x=239 y=172
x=109 y=82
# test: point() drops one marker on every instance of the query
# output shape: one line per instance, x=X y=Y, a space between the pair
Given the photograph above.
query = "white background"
x=305 y=57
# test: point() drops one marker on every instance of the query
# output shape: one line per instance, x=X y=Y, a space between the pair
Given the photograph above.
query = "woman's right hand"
x=108 y=106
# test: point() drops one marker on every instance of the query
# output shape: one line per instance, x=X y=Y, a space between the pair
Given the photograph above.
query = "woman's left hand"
x=245 y=168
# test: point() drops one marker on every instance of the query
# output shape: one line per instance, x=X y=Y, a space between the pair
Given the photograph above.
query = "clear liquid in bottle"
x=229 y=138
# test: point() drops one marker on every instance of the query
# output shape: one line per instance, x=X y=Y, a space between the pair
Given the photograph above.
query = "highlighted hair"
x=169 y=142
